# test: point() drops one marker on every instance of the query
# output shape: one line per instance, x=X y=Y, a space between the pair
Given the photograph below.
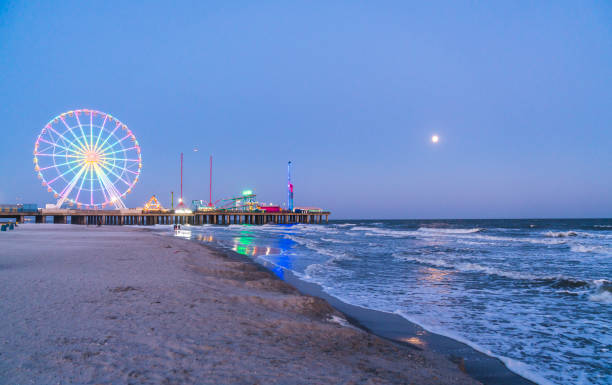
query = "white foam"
x=517 y=367
x=601 y=296
x=332 y=240
x=563 y=234
x=314 y=246
x=362 y=228
x=476 y=235
x=560 y=234
x=449 y=231
x=472 y=267
x=389 y=233
x=587 y=249
x=375 y=231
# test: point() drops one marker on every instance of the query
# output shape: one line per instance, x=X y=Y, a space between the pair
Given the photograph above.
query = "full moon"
x=434 y=139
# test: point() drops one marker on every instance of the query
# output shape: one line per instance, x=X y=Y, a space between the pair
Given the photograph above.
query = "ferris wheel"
x=87 y=159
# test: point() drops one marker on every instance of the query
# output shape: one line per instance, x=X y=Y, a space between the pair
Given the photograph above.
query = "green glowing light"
x=247 y=192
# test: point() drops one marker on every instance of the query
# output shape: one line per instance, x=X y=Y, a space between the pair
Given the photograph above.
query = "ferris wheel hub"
x=92 y=157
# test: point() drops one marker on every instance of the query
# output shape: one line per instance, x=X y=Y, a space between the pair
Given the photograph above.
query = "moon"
x=435 y=139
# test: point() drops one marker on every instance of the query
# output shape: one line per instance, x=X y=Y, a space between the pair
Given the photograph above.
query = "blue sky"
x=519 y=92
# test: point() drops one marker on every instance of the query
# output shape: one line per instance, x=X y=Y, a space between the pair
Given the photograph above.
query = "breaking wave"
x=557 y=282
x=314 y=246
x=335 y=240
x=601 y=296
x=587 y=249
x=450 y=231
x=468 y=267
x=375 y=231
x=561 y=234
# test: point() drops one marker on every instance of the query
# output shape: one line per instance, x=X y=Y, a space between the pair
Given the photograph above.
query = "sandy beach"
x=88 y=305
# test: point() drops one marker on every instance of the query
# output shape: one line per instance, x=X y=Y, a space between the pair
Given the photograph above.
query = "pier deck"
x=168 y=217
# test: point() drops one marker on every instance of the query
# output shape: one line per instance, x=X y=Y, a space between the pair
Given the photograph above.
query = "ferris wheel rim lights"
x=71 y=157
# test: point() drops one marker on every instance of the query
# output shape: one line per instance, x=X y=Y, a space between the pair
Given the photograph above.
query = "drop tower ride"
x=289 y=188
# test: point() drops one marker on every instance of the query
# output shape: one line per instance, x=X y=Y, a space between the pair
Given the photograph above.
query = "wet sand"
x=90 y=305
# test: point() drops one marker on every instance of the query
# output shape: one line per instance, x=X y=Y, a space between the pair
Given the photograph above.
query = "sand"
x=121 y=305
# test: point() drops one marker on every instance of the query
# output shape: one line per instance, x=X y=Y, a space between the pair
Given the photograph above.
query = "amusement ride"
x=88 y=159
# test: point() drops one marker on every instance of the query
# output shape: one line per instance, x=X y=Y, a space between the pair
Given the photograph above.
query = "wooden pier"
x=168 y=217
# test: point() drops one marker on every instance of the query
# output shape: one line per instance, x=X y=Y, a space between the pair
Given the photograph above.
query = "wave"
x=375 y=231
x=556 y=281
x=470 y=267
x=335 y=240
x=514 y=365
x=390 y=233
x=455 y=234
x=345 y=224
x=493 y=238
x=587 y=249
x=603 y=292
x=561 y=234
x=603 y=226
x=564 y=234
x=450 y=231
x=362 y=228
x=312 y=245
x=601 y=296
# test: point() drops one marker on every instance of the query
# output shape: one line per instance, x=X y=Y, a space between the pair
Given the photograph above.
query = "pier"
x=167 y=217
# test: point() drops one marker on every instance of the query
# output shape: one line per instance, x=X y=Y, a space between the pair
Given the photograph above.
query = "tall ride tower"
x=181 y=205
x=210 y=202
x=289 y=188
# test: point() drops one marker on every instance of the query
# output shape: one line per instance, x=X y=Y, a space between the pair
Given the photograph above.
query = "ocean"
x=537 y=294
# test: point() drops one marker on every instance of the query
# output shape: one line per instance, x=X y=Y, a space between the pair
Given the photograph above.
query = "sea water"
x=535 y=293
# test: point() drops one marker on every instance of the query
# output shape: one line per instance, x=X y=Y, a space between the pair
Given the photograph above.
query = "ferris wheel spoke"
x=110 y=166
x=58 y=165
x=131 y=172
x=116 y=143
x=127 y=160
x=64 y=156
x=117 y=151
x=90 y=130
x=112 y=172
x=68 y=189
x=110 y=188
x=91 y=184
x=113 y=166
x=58 y=145
x=63 y=174
x=108 y=137
x=102 y=187
x=76 y=199
x=82 y=132
x=73 y=135
x=101 y=131
x=65 y=139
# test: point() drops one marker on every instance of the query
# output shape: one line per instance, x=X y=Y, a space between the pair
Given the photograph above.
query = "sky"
x=519 y=92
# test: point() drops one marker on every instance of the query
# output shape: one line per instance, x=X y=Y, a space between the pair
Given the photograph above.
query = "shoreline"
x=125 y=305
x=394 y=327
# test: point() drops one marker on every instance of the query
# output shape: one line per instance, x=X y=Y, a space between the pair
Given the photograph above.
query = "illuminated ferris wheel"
x=87 y=159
